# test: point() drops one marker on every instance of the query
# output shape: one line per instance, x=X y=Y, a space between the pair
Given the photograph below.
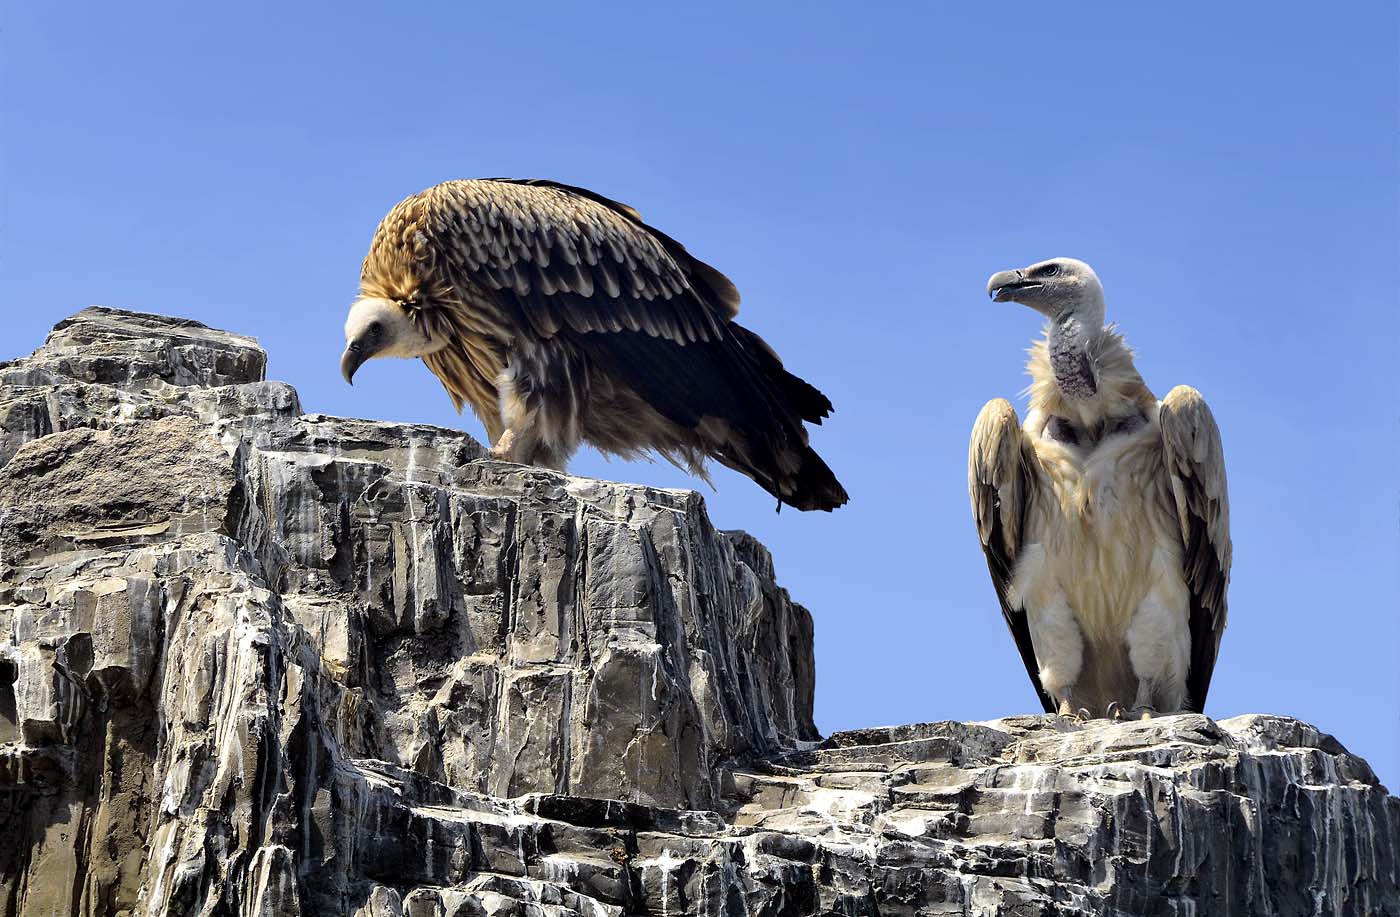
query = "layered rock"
x=257 y=661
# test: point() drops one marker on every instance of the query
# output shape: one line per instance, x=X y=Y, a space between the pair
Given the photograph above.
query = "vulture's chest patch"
x=1060 y=430
x=1066 y=432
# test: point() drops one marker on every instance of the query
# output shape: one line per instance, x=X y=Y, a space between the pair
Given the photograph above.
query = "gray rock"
x=260 y=662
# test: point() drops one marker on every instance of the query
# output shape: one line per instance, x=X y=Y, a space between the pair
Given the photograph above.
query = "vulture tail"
x=812 y=485
x=736 y=403
x=815 y=485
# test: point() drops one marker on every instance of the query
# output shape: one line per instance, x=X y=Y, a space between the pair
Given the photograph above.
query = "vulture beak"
x=1004 y=285
x=354 y=357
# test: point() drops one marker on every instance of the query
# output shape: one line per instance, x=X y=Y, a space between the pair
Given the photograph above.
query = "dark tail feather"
x=813 y=486
x=755 y=407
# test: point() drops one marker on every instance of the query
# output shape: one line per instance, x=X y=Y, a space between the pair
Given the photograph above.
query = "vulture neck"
x=1087 y=352
x=1069 y=356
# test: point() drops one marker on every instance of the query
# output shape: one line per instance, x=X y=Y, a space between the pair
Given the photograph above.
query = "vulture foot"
x=1070 y=712
x=1144 y=712
x=1114 y=711
x=503 y=446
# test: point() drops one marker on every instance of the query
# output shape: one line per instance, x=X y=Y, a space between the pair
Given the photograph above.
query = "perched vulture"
x=1104 y=517
x=560 y=317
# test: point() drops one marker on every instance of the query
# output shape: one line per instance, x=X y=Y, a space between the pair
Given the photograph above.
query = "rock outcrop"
x=254 y=661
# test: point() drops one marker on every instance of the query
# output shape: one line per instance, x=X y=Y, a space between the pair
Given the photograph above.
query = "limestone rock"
x=259 y=662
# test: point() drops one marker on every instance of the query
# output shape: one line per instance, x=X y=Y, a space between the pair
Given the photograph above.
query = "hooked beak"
x=1005 y=284
x=352 y=360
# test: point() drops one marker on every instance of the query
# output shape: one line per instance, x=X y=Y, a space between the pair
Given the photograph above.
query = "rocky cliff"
x=255 y=661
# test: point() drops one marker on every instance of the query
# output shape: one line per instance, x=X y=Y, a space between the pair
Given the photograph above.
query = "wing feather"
x=598 y=266
x=1196 y=464
x=1002 y=477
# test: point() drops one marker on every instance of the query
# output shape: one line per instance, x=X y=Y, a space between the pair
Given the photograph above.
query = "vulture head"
x=381 y=328
x=1058 y=289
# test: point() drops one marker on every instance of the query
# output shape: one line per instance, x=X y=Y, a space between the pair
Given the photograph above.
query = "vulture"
x=1104 y=516
x=560 y=317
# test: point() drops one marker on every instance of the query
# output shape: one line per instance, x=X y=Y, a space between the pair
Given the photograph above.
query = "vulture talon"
x=1144 y=712
x=1114 y=711
x=1068 y=710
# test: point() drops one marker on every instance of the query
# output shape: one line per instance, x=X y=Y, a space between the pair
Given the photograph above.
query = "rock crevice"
x=257 y=661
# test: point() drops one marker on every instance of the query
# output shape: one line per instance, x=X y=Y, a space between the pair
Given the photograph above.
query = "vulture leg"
x=541 y=393
x=504 y=444
x=1143 y=703
x=1159 y=646
x=1059 y=651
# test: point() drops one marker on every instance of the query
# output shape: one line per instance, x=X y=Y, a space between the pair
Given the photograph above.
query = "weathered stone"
x=261 y=662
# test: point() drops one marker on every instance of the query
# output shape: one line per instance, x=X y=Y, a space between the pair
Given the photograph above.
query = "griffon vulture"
x=1104 y=517
x=560 y=317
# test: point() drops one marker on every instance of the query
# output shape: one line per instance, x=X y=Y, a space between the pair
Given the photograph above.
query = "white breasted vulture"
x=561 y=317
x=1104 y=517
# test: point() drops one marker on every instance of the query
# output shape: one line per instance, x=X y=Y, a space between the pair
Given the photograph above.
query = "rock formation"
x=259 y=662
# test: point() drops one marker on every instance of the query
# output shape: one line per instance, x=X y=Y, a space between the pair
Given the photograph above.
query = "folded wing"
x=1196 y=464
x=1002 y=478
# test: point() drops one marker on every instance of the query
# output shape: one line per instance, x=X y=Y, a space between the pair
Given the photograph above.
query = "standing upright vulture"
x=559 y=316
x=1104 y=517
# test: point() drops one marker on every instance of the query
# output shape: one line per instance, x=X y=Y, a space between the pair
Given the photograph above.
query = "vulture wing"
x=573 y=259
x=569 y=262
x=1196 y=464
x=1001 y=476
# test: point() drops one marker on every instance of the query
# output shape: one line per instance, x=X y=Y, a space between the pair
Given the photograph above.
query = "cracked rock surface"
x=255 y=661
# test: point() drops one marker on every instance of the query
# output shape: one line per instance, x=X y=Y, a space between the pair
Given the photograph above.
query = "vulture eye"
x=1050 y=270
x=373 y=328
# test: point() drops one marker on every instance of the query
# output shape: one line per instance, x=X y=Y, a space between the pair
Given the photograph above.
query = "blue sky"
x=1230 y=170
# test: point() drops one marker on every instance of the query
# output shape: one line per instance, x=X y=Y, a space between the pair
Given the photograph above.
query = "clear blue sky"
x=1229 y=169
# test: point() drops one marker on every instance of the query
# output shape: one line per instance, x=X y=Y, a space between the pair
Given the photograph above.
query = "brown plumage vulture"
x=561 y=317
